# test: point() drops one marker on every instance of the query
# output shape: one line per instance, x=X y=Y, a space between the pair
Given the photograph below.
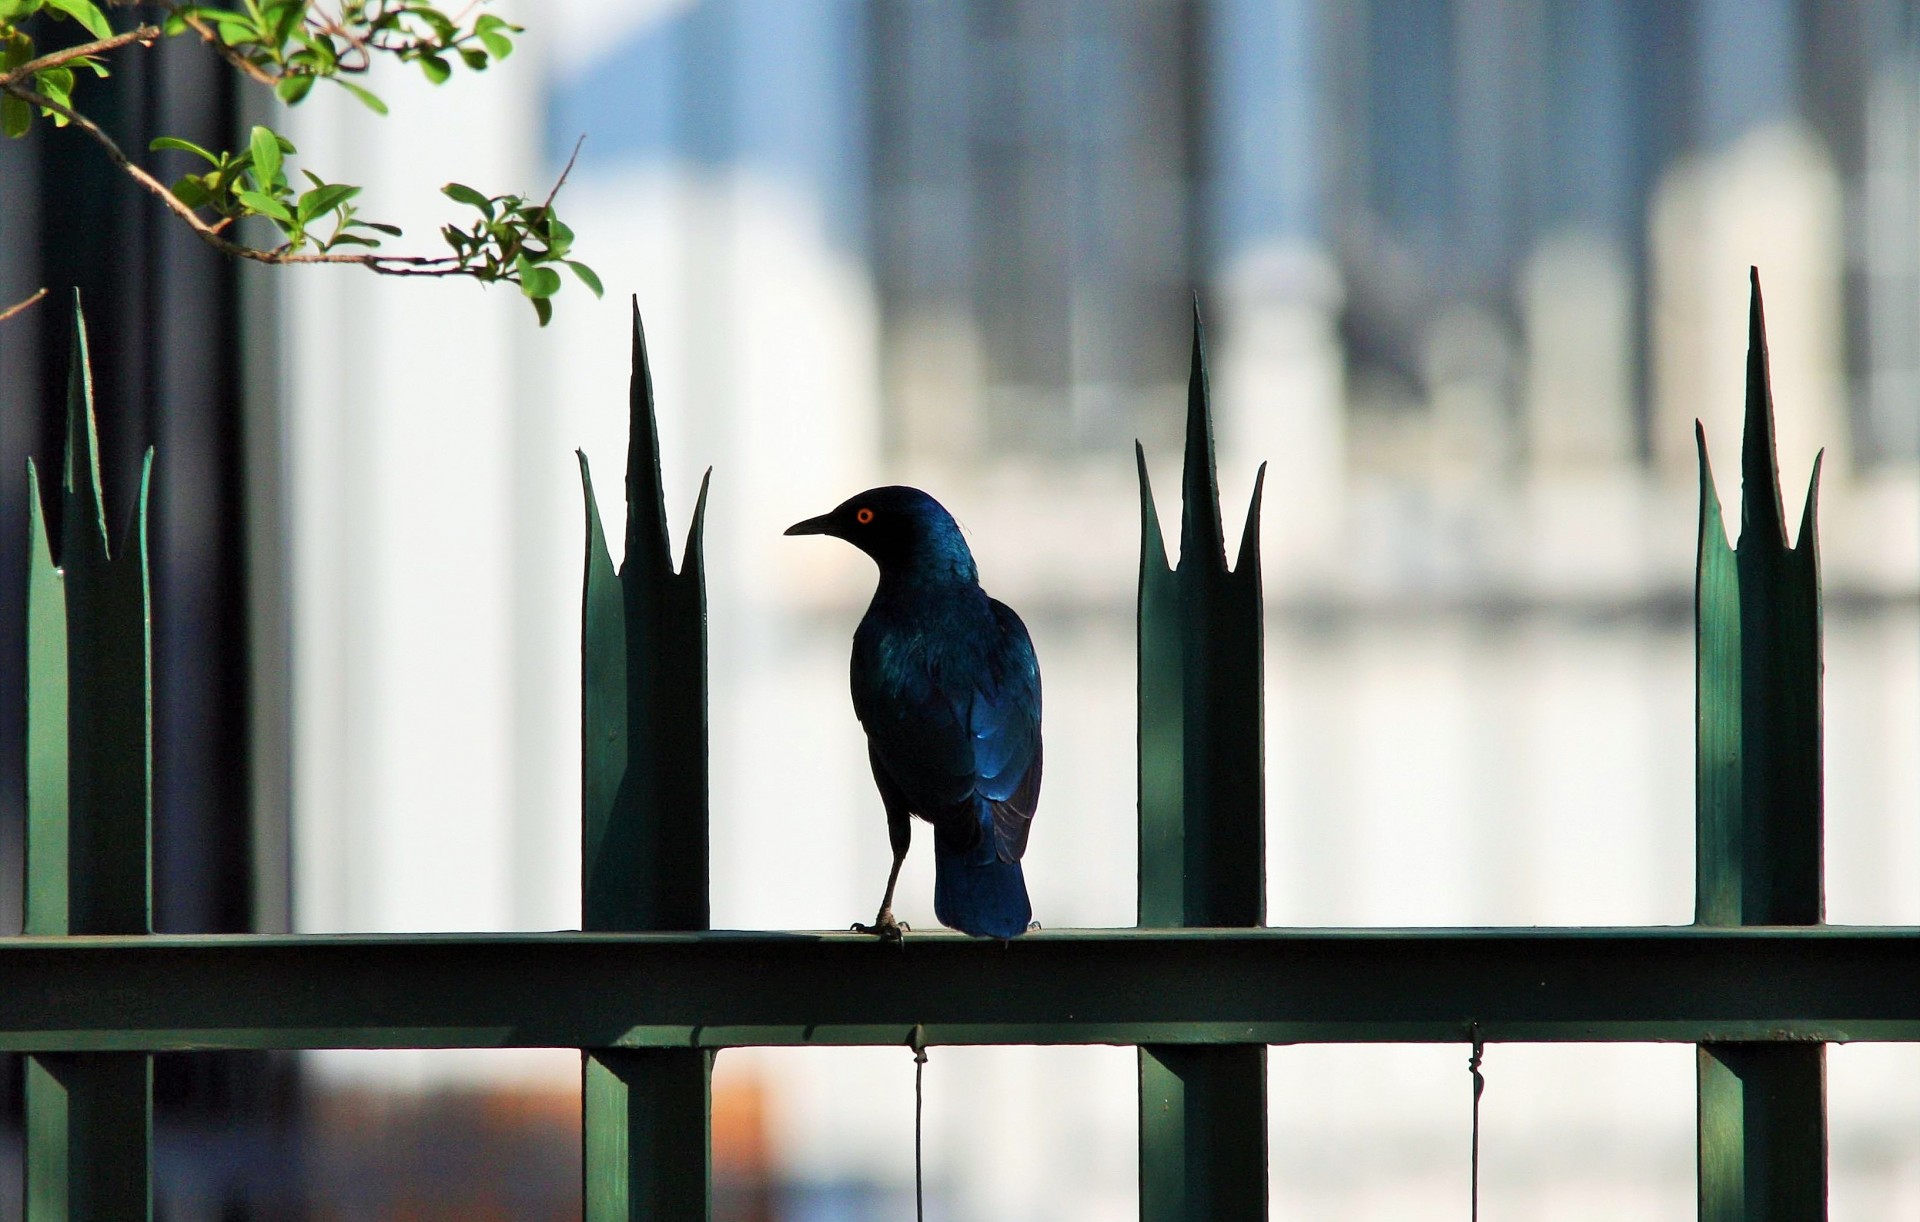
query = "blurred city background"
x=1471 y=269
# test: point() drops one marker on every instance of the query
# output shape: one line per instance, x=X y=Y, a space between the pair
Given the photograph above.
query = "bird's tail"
x=977 y=893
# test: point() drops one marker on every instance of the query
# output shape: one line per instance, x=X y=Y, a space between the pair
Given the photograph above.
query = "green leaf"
x=292 y=88
x=18 y=10
x=367 y=97
x=191 y=191
x=15 y=116
x=324 y=199
x=286 y=19
x=474 y=58
x=229 y=170
x=266 y=157
x=543 y=309
x=536 y=281
x=57 y=85
x=15 y=48
x=266 y=205
x=587 y=276
x=234 y=28
x=498 y=45
x=460 y=193
x=436 y=69
x=86 y=13
x=394 y=230
x=317 y=50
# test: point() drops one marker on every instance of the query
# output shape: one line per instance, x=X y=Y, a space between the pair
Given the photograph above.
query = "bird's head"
x=903 y=529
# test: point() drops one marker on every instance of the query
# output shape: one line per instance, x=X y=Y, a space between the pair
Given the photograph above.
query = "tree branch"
x=146 y=36
x=237 y=61
x=391 y=265
x=20 y=307
x=512 y=249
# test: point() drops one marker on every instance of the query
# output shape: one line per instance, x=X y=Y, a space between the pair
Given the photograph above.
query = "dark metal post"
x=644 y=824
x=1203 y=1110
x=1762 y=1110
x=167 y=312
x=90 y=817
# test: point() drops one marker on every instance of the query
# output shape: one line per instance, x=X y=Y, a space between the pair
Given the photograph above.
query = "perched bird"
x=947 y=687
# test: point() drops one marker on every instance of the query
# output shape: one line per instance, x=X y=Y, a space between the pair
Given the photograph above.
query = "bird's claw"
x=885 y=927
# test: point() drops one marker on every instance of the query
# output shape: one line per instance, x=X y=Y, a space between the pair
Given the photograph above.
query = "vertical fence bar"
x=1759 y=812
x=89 y=1122
x=644 y=823
x=1203 y=1109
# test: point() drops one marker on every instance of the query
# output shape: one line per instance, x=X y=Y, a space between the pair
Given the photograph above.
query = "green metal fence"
x=650 y=994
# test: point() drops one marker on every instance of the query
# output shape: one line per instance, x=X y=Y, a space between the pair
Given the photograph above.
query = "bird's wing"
x=1004 y=723
x=957 y=731
x=914 y=729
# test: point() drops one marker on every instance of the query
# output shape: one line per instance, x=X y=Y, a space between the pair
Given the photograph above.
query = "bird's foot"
x=1032 y=925
x=888 y=929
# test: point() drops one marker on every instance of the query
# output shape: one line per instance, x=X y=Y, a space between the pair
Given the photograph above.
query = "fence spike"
x=1759 y=819
x=47 y=813
x=1202 y=538
x=1202 y=857
x=646 y=498
x=1760 y=504
x=644 y=835
x=644 y=703
x=89 y=1116
x=84 y=516
x=1248 y=563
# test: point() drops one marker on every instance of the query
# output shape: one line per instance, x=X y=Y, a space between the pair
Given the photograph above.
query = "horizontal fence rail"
x=1119 y=986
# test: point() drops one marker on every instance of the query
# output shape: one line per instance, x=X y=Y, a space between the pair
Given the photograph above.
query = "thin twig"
x=20 y=307
x=332 y=27
x=391 y=265
x=512 y=250
x=564 y=171
x=239 y=62
x=146 y=36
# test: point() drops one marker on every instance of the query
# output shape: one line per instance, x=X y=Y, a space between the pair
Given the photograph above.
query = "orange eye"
x=863 y=516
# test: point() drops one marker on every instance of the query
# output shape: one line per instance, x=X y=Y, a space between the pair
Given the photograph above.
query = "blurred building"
x=1470 y=268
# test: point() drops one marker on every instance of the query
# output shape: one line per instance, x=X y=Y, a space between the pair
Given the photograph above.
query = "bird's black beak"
x=822 y=525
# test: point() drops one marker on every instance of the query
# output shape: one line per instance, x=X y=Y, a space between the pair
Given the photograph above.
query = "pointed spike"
x=1761 y=508
x=593 y=506
x=84 y=521
x=1710 y=510
x=1152 y=542
x=41 y=511
x=36 y=511
x=1201 y=533
x=46 y=740
x=691 y=554
x=1249 y=561
x=1807 y=515
x=136 y=534
x=646 y=497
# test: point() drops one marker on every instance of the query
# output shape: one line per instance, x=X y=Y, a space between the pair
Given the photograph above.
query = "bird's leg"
x=883 y=923
x=900 y=832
